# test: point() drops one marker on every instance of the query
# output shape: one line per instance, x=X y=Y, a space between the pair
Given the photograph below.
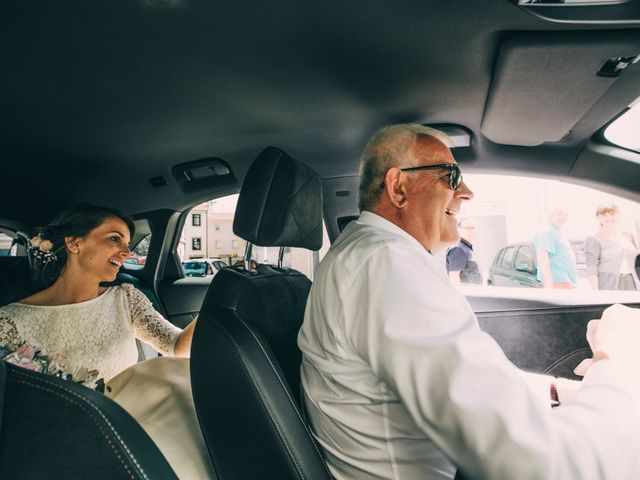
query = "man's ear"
x=395 y=187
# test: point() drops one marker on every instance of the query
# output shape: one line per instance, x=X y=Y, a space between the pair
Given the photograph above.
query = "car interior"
x=155 y=106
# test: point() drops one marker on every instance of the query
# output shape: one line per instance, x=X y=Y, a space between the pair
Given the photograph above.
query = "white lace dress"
x=98 y=334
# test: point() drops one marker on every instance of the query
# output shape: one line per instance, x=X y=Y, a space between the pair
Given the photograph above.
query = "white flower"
x=35 y=241
x=46 y=245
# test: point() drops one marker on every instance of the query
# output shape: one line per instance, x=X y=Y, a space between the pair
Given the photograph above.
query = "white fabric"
x=157 y=393
x=98 y=334
x=400 y=382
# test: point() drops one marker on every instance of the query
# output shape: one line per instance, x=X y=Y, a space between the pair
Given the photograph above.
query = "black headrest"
x=280 y=203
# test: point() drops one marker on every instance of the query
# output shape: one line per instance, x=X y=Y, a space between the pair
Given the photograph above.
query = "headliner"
x=100 y=96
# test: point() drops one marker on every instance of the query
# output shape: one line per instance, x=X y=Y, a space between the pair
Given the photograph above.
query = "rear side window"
x=7 y=247
x=207 y=236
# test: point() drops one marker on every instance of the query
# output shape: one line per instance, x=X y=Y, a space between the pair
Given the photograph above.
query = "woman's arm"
x=182 y=347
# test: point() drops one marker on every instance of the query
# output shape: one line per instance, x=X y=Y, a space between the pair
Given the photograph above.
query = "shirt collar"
x=375 y=220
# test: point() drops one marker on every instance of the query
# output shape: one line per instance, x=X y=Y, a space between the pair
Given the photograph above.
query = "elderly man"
x=400 y=382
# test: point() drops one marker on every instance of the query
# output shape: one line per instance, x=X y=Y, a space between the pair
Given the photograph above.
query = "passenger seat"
x=245 y=362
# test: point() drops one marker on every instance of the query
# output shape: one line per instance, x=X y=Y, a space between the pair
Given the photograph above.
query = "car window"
x=138 y=257
x=512 y=218
x=525 y=257
x=6 y=249
x=507 y=257
x=624 y=130
x=208 y=235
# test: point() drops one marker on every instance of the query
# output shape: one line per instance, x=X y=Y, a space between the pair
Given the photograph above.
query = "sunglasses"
x=455 y=175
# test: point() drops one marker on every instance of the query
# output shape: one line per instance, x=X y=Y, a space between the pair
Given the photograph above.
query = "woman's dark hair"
x=78 y=221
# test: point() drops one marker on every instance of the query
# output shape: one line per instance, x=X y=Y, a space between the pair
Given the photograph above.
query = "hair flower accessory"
x=41 y=249
x=46 y=245
x=35 y=241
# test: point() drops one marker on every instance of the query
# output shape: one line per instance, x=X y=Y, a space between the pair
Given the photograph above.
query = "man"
x=556 y=260
x=399 y=381
x=461 y=263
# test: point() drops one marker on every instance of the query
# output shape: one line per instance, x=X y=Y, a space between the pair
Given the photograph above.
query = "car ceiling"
x=100 y=96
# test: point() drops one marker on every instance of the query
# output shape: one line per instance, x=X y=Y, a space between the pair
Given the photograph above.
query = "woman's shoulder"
x=129 y=292
x=127 y=288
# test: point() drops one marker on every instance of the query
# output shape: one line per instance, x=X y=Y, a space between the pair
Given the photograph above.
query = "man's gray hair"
x=389 y=147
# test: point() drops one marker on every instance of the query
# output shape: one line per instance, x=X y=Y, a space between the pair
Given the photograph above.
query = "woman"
x=85 y=327
x=77 y=329
x=610 y=254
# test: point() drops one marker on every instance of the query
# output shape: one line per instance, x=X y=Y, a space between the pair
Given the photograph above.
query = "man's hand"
x=616 y=335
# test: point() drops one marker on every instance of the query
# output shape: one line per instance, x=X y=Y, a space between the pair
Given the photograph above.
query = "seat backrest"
x=245 y=363
x=15 y=282
x=53 y=428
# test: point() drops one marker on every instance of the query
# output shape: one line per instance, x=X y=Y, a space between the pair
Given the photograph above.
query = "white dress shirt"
x=401 y=383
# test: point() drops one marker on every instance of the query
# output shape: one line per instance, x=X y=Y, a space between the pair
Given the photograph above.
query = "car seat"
x=54 y=428
x=245 y=363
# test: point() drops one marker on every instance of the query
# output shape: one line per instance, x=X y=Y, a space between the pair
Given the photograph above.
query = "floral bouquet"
x=30 y=357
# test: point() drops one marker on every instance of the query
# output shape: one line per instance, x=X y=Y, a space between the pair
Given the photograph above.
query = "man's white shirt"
x=400 y=382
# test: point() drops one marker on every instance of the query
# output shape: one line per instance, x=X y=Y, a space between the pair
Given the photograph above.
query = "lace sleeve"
x=148 y=325
x=9 y=336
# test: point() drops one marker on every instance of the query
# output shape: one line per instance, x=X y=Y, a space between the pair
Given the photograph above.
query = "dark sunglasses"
x=455 y=175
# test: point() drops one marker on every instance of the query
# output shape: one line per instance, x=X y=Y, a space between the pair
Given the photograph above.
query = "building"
x=195 y=233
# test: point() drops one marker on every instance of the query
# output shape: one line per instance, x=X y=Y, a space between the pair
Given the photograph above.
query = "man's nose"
x=463 y=192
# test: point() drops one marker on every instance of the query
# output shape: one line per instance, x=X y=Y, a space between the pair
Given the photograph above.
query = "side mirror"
x=523 y=267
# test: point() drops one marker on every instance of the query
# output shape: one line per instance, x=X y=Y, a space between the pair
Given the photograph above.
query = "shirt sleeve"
x=461 y=390
x=456 y=259
x=148 y=324
x=9 y=337
x=544 y=242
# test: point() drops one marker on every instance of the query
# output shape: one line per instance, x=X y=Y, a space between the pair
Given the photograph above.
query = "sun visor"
x=544 y=83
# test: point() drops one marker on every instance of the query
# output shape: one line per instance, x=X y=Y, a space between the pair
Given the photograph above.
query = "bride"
x=77 y=329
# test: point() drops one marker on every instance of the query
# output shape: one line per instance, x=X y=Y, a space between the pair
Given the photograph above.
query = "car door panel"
x=539 y=337
x=183 y=298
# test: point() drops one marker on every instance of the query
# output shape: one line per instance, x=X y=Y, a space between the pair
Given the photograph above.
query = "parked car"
x=133 y=260
x=516 y=265
x=202 y=268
